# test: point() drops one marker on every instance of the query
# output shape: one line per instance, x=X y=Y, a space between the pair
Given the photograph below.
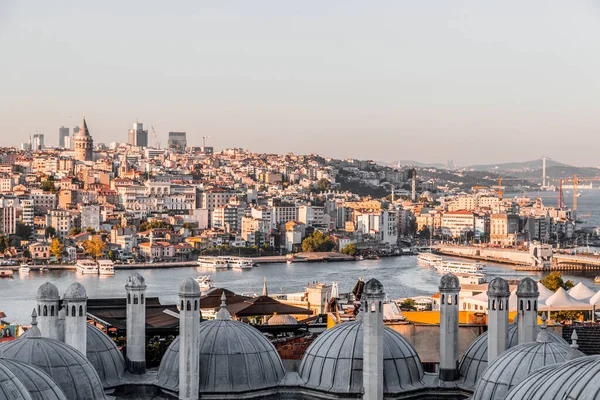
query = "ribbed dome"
x=189 y=286
x=66 y=366
x=11 y=388
x=39 y=385
x=234 y=357
x=574 y=380
x=281 y=319
x=373 y=286
x=104 y=355
x=498 y=287
x=75 y=291
x=135 y=280
x=515 y=364
x=449 y=282
x=474 y=361
x=527 y=288
x=48 y=291
x=333 y=362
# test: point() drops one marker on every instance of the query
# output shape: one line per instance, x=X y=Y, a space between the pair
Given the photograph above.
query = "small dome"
x=75 y=291
x=189 y=286
x=39 y=385
x=527 y=288
x=373 y=286
x=48 y=291
x=234 y=357
x=498 y=287
x=135 y=280
x=575 y=379
x=73 y=373
x=104 y=355
x=333 y=362
x=11 y=388
x=281 y=319
x=449 y=282
x=475 y=359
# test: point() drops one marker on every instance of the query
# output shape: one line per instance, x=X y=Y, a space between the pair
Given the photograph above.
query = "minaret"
x=527 y=307
x=498 y=294
x=189 y=339
x=449 y=289
x=75 y=303
x=48 y=307
x=136 y=324
x=372 y=324
x=265 y=291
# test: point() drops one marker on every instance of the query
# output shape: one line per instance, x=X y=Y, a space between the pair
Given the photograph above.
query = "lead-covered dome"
x=48 y=291
x=373 y=286
x=281 y=319
x=498 y=287
x=475 y=359
x=189 y=286
x=234 y=357
x=75 y=291
x=449 y=282
x=104 y=355
x=135 y=280
x=11 y=388
x=333 y=362
x=39 y=385
x=527 y=288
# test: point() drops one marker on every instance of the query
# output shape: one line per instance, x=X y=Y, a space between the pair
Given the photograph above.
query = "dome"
x=189 y=286
x=234 y=357
x=575 y=379
x=66 y=366
x=373 y=286
x=135 y=280
x=11 y=388
x=75 y=291
x=449 y=282
x=333 y=362
x=474 y=361
x=39 y=385
x=104 y=355
x=281 y=319
x=498 y=287
x=527 y=288
x=48 y=291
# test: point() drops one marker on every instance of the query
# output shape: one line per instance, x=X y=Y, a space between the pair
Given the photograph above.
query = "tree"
x=425 y=233
x=554 y=280
x=322 y=185
x=111 y=255
x=74 y=231
x=3 y=243
x=349 y=250
x=56 y=248
x=408 y=304
x=155 y=225
x=50 y=232
x=48 y=186
x=317 y=241
x=94 y=247
x=23 y=231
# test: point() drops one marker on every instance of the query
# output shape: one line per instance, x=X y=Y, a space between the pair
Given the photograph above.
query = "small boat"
x=458 y=267
x=87 y=267
x=359 y=258
x=6 y=273
x=242 y=263
x=428 y=259
x=24 y=269
x=289 y=261
x=44 y=269
x=205 y=283
x=597 y=280
x=106 y=267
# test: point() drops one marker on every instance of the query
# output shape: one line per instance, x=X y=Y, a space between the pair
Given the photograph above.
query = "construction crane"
x=155 y=137
x=500 y=188
x=575 y=180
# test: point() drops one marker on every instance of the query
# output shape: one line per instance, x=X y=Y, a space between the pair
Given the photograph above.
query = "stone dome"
x=516 y=363
x=11 y=388
x=373 y=286
x=498 y=287
x=104 y=355
x=474 y=361
x=39 y=385
x=189 y=286
x=234 y=357
x=73 y=373
x=48 y=291
x=527 y=288
x=333 y=362
x=75 y=291
x=575 y=379
x=449 y=282
x=135 y=280
x=281 y=319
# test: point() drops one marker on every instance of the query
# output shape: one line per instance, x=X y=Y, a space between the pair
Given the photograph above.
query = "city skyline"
x=344 y=82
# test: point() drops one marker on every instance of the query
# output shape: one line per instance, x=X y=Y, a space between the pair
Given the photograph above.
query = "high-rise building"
x=63 y=132
x=83 y=143
x=177 y=141
x=137 y=136
x=37 y=142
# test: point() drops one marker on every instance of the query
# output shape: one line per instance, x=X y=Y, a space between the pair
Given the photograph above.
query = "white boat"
x=205 y=283
x=87 y=267
x=242 y=263
x=459 y=267
x=213 y=262
x=428 y=259
x=6 y=273
x=289 y=261
x=106 y=267
x=24 y=269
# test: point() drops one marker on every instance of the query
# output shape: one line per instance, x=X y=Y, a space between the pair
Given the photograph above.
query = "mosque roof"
x=11 y=388
x=104 y=355
x=39 y=384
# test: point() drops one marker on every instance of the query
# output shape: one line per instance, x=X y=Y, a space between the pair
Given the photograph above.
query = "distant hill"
x=416 y=164
x=517 y=166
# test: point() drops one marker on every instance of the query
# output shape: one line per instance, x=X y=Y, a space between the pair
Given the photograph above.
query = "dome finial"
x=543 y=336
x=574 y=352
x=574 y=338
x=223 y=314
x=34 y=330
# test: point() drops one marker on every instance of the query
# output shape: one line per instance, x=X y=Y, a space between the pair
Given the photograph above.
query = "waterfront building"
x=457 y=223
x=61 y=221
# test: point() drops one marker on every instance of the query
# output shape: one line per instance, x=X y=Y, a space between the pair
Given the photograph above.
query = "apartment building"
x=457 y=223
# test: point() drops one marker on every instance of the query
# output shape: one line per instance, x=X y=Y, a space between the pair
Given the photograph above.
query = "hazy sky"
x=476 y=82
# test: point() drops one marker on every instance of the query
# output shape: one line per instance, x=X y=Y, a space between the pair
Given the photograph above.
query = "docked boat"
x=459 y=267
x=428 y=259
x=24 y=269
x=242 y=263
x=87 y=267
x=6 y=273
x=106 y=267
x=213 y=262
x=597 y=280
x=205 y=283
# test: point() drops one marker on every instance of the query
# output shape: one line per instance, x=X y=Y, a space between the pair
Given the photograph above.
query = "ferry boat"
x=429 y=259
x=459 y=267
x=24 y=269
x=205 y=283
x=87 y=267
x=106 y=267
x=242 y=263
x=6 y=273
x=213 y=262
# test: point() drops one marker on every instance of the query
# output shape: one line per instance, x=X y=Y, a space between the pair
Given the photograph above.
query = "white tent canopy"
x=581 y=292
x=562 y=301
x=544 y=292
x=595 y=299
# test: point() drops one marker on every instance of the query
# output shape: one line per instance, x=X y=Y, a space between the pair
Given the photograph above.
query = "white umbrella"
x=581 y=292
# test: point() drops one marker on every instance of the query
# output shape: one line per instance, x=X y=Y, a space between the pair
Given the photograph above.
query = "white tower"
x=527 y=307
x=136 y=324
x=75 y=303
x=372 y=321
x=498 y=294
x=47 y=311
x=449 y=289
x=189 y=339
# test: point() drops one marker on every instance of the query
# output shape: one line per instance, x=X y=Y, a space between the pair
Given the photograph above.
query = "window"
x=142 y=299
x=45 y=311
x=52 y=311
x=81 y=311
x=128 y=298
x=73 y=312
x=189 y=306
x=135 y=299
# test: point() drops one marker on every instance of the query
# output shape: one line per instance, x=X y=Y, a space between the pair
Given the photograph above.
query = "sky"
x=474 y=82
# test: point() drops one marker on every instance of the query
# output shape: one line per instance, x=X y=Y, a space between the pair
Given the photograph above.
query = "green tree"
x=408 y=304
x=111 y=254
x=50 y=232
x=56 y=248
x=317 y=242
x=3 y=243
x=554 y=280
x=48 y=186
x=23 y=231
x=349 y=250
x=424 y=233
x=145 y=226
x=74 y=231
x=322 y=185
x=94 y=247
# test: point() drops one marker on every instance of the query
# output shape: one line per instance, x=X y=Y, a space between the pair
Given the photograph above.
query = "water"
x=588 y=205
